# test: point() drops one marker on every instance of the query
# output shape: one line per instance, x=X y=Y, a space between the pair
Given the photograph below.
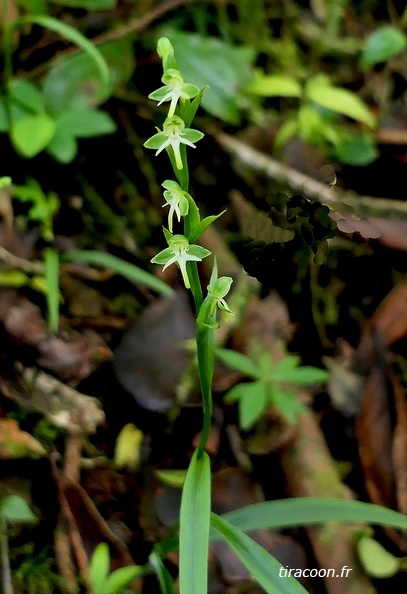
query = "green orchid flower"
x=218 y=290
x=179 y=252
x=175 y=88
x=174 y=134
x=176 y=199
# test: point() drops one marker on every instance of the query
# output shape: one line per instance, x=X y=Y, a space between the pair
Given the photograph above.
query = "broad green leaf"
x=99 y=567
x=305 y=511
x=341 y=101
x=252 y=403
x=26 y=94
x=164 y=577
x=376 y=561
x=356 y=150
x=51 y=267
x=130 y=271
x=4 y=116
x=274 y=85
x=62 y=147
x=286 y=132
x=30 y=135
x=119 y=579
x=15 y=509
x=73 y=81
x=238 y=361
x=194 y=526
x=84 y=123
x=224 y=68
x=263 y=567
x=72 y=35
x=383 y=44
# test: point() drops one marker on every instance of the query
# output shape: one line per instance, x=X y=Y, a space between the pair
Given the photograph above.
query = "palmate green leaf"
x=252 y=403
x=302 y=376
x=27 y=94
x=194 y=526
x=262 y=566
x=31 y=134
x=383 y=44
x=130 y=271
x=287 y=404
x=63 y=147
x=85 y=123
x=238 y=361
x=341 y=101
x=305 y=511
x=356 y=149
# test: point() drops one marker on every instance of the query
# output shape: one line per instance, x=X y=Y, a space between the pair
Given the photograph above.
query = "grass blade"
x=263 y=566
x=130 y=271
x=194 y=526
x=163 y=575
x=303 y=511
x=51 y=267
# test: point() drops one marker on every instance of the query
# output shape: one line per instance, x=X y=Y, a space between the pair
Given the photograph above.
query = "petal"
x=198 y=251
x=162 y=257
x=163 y=146
x=192 y=135
x=160 y=94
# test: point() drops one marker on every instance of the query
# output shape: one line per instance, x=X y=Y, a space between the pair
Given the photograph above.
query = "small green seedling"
x=273 y=384
x=116 y=582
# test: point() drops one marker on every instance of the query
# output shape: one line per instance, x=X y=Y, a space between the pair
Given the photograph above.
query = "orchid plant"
x=197 y=523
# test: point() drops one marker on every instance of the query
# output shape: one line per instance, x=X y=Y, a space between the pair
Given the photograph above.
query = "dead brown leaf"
x=15 y=443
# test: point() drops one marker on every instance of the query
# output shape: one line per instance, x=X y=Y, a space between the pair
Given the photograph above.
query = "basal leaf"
x=274 y=85
x=341 y=101
x=15 y=509
x=263 y=567
x=86 y=122
x=305 y=511
x=194 y=526
x=27 y=94
x=238 y=361
x=99 y=567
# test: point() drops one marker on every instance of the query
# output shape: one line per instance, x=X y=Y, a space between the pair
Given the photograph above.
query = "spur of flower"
x=174 y=89
x=174 y=134
x=179 y=251
x=176 y=199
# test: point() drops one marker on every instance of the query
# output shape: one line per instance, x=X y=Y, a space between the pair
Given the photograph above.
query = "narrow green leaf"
x=202 y=227
x=163 y=575
x=88 y=4
x=130 y=271
x=383 y=44
x=15 y=509
x=31 y=134
x=70 y=33
x=194 y=526
x=304 y=511
x=263 y=566
x=238 y=361
x=51 y=266
x=119 y=579
x=99 y=567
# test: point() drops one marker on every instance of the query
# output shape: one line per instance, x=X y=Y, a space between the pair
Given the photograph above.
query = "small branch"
x=342 y=201
x=6 y=583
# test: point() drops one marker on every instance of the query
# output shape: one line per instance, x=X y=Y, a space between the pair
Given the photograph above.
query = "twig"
x=342 y=201
x=5 y=572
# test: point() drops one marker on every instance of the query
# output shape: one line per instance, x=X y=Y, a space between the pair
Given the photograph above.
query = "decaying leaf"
x=15 y=443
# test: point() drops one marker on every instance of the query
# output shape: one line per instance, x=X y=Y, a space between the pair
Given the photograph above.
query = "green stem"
x=7 y=44
x=205 y=340
x=51 y=266
x=195 y=282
